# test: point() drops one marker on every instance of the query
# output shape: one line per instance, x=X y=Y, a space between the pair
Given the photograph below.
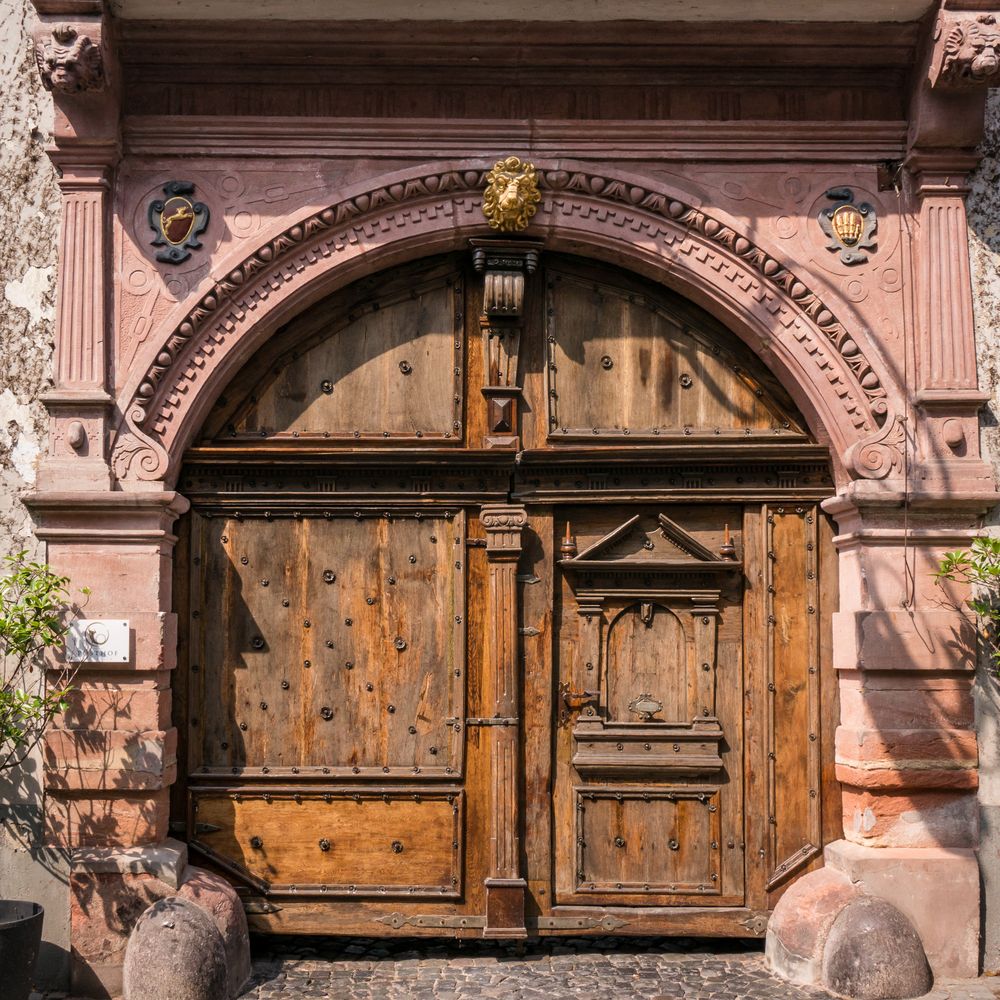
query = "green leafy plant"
x=34 y=618
x=979 y=567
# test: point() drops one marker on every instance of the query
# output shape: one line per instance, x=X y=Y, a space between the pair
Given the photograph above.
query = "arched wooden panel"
x=627 y=364
x=647 y=654
x=382 y=362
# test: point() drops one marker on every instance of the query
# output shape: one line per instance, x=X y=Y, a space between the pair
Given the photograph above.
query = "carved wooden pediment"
x=648 y=544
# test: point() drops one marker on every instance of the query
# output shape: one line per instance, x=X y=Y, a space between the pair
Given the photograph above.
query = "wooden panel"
x=341 y=646
x=335 y=842
x=381 y=363
x=638 y=751
x=646 y=658
x=624 y=364
x=647 y=840
x=794 y=690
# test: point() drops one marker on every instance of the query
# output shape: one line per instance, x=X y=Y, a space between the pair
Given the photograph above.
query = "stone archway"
x=886 y=634
x=842 y=386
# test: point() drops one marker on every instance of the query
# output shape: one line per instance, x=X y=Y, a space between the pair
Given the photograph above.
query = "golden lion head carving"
x=512 y=196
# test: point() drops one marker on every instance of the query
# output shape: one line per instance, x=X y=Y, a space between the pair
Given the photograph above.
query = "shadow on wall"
x=92 y=758
x=22 y=836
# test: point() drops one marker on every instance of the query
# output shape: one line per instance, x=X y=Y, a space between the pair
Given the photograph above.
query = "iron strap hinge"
x=494 y=721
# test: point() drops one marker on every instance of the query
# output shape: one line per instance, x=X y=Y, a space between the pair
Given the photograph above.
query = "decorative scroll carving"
x=512 y=196
x=69 y=61
x=880 y=455
x=267 y=268
x=967 y=51
x=137 y=456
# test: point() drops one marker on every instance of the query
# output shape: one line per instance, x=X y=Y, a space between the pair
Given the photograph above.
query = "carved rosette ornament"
x=70 y=62
x=512 y=196
x=966 y=51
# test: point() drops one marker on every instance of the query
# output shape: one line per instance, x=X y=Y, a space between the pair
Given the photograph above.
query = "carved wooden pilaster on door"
x=505 y=884
x=504 y=265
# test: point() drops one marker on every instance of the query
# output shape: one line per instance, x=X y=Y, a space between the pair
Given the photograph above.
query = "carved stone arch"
x=823 y=361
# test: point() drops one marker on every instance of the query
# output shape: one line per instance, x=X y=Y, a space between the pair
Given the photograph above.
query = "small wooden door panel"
x=384 y=365
x=647 y=845
x=626 y=362
x=649 y=771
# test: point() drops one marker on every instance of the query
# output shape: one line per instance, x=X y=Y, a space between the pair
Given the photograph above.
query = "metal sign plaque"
x=98 y=640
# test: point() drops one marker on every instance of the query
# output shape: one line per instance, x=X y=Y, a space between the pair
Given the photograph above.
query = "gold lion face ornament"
x=512 y=196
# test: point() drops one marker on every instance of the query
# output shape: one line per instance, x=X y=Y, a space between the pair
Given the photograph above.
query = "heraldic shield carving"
x=177 y=221
x=849 y=228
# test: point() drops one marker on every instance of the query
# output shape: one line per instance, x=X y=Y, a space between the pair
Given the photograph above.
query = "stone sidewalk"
x=554 y=969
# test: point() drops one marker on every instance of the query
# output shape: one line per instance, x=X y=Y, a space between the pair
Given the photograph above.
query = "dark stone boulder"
x=874 y=953
x=175 y=952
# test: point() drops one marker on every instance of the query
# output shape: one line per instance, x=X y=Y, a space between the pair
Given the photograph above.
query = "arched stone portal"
x=798 y=322
x=866 y=354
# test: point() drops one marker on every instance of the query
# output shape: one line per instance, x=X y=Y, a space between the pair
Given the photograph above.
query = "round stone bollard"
x=874 y=953
x=175 y=952
x=219 y=900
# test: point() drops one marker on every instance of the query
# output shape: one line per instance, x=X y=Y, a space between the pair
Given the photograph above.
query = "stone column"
x=946 y=393
x=110 y=759
x=906 y=751
x=505 y=884
x=79 y=403
x=78 y=65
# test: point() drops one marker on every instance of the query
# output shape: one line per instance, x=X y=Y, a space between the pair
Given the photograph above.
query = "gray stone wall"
x=29 y=219
x=984 y=234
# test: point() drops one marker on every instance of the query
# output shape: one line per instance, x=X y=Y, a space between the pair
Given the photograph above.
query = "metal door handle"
x=575 y=700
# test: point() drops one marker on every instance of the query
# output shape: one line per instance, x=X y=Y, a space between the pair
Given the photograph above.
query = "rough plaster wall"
x=984 y=235
x=29 y=216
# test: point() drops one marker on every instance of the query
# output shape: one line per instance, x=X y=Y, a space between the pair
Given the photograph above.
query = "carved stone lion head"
x=70 y=62
x=512 y=196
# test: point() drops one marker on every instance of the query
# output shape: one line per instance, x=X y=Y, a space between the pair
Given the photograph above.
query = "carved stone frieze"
x=222 y=310
x=70 y=61
x=966 y=50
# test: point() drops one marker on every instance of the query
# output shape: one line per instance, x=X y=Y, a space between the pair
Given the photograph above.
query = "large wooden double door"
x=506 y=626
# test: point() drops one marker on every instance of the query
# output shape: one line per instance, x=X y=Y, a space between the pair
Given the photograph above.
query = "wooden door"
x=649 y=788
x=503 y=644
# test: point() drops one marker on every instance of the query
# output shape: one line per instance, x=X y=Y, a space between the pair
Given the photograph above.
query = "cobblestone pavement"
x=565 y=969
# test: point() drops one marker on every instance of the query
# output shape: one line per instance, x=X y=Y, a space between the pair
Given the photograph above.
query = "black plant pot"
x=20 y=937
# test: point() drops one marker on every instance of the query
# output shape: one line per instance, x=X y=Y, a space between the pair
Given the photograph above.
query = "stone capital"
x=966 y=49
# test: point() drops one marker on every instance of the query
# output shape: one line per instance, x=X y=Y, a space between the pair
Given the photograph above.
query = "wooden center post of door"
x=505 y=883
